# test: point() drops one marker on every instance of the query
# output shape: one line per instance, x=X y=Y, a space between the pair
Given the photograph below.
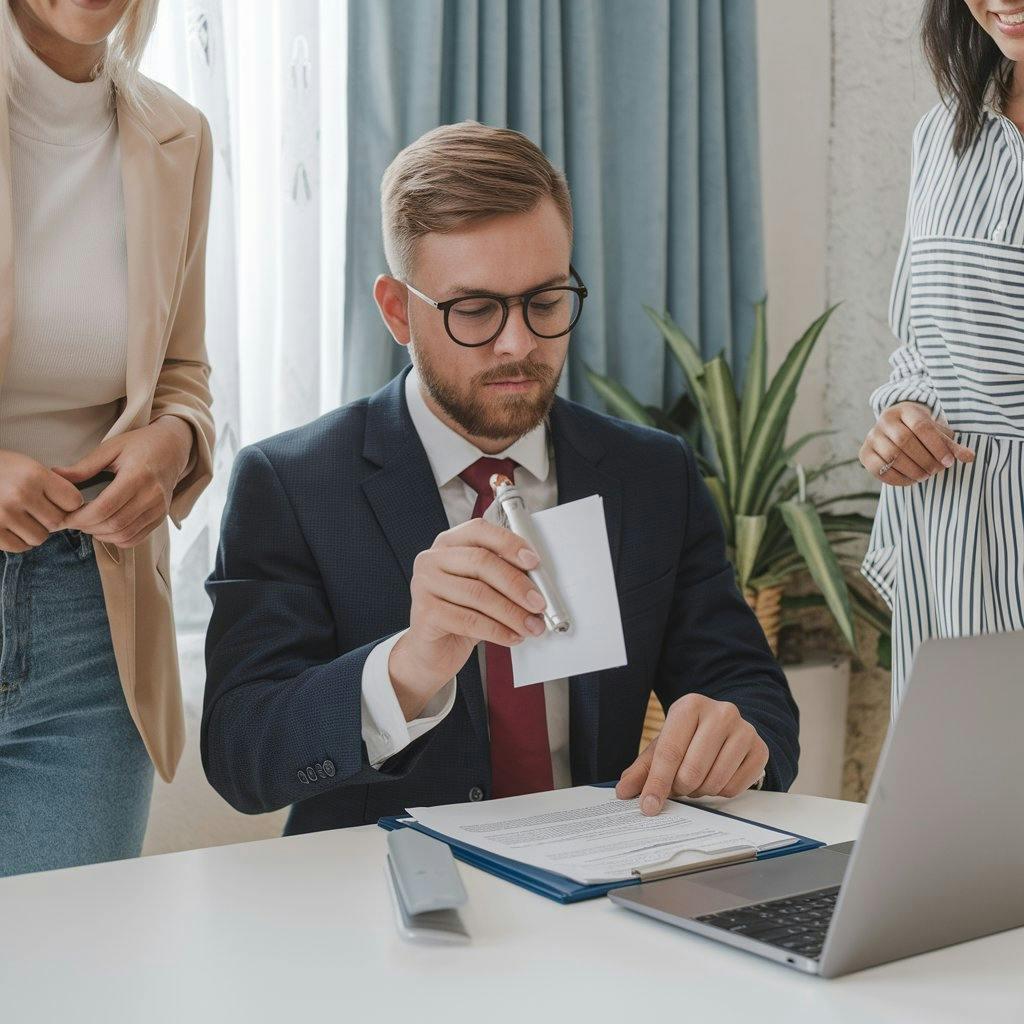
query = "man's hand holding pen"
x=704 y=749
x=470 y=585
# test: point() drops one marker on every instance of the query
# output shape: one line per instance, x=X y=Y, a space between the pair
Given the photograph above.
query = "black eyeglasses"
x=475 y=320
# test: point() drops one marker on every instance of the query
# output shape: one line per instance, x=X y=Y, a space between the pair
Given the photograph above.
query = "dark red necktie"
x=520 y=751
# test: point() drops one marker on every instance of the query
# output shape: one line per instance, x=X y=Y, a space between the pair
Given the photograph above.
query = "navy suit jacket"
x=319 y=535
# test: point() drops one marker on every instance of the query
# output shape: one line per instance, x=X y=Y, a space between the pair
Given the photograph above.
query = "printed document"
x=589 y=835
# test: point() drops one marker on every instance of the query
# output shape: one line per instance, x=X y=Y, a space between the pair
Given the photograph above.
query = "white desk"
x=301 y=929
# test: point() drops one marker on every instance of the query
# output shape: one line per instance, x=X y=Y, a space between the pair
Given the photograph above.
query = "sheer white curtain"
x=270 y=77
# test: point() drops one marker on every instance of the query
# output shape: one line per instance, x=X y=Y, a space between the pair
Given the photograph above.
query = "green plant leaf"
x=778 y=575
x=800 y=602
x=789 y=453
x=775 y=570
x=749 y=532
x=663 y=421
x=851 y=522
x=883 y=651
x=755 y=375
x=772 y=417
x=705 y=467
x=809 y=536
x=825 y=468
x=855 y=496
x=724 y=417
x=864 y=608
x=721 y=500
x=778 y=543
x=618 y=400
x=685 y=412
x=779 y=467
x=687 y=355
x=870 y=610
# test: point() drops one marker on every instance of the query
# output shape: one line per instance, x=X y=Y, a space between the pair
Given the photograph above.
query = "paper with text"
x=590 y=836
x=574 y=539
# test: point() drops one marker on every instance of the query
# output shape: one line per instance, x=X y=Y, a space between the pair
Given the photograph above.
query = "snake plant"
x=774 y=526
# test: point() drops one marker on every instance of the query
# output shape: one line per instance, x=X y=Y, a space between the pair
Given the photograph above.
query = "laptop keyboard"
x=797 y=923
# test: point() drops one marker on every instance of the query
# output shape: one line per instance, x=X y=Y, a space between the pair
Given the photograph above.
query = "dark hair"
x=967 y=64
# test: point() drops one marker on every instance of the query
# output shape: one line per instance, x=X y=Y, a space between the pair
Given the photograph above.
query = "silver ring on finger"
x=886 y=466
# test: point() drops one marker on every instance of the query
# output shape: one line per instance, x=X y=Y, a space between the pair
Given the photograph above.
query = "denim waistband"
x=80 y=543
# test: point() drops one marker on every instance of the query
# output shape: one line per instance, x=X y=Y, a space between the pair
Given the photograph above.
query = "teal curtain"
x=650 y=108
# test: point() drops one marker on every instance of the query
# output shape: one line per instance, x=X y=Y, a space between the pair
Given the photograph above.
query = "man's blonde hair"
x=458 y=174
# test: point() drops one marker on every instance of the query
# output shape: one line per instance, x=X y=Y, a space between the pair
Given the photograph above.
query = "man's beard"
x=511 y=416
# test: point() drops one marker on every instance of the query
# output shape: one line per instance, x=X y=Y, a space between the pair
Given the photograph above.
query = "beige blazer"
x=166 y=165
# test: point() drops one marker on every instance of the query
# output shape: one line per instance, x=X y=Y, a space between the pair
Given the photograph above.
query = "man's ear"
x=392 y=300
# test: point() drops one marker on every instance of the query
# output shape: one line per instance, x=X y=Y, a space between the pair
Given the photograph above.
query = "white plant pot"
x=821 y=689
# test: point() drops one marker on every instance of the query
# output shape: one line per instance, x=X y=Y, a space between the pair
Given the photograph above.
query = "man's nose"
x=516 y=339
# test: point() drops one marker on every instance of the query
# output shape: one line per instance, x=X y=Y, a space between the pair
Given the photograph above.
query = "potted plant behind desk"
x=777 y=530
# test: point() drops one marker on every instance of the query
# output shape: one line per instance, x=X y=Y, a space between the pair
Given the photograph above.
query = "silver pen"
x=556 y=618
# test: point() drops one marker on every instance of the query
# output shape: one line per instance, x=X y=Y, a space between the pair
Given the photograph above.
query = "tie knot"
x=478 y=476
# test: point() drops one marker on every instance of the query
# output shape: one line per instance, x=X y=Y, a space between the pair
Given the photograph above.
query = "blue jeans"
x=75 y=778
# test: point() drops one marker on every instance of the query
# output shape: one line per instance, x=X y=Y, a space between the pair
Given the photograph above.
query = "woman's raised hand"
x=907 y=445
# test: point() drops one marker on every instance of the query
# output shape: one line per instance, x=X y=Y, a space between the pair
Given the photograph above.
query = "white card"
x=574 y=546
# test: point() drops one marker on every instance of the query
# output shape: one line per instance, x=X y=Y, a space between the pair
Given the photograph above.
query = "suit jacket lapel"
x=157 y=159
x=410 y=525
x=577 y=458
x=404 y=497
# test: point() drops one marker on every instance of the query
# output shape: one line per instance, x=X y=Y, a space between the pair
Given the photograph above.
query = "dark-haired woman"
x=947 y=551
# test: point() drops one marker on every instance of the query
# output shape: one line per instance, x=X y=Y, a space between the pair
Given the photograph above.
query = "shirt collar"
x=46 y=107
x=449 y=453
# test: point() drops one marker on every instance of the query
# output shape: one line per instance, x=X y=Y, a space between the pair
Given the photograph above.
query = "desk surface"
x=302 y=929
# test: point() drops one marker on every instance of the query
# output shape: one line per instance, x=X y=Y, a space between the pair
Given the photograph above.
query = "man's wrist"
x=413 y=682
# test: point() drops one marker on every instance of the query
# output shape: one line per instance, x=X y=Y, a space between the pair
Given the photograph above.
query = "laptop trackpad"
x=782 y=876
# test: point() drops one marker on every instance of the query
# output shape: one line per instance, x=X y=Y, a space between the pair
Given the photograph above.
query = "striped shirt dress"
x=947 y=554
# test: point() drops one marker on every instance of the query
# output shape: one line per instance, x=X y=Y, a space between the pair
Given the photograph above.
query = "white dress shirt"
x=384 y=728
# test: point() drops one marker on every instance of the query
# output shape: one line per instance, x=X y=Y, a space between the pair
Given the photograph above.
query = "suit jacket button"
x=302 y=776
x=476 y=793
x=329 y=769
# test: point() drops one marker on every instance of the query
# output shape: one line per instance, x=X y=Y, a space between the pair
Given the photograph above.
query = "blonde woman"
x=105 y=426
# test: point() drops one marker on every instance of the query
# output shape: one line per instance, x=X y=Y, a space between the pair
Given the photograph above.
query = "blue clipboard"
x=558 y=887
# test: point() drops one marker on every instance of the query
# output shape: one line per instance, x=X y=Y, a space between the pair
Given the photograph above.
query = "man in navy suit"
x=363 y=610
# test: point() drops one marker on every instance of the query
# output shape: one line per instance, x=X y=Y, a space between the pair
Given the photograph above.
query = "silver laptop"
x=940 y=858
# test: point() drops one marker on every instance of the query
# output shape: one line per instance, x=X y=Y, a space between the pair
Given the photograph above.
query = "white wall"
x=841 y=86
x=881 y=88
x=794 y=87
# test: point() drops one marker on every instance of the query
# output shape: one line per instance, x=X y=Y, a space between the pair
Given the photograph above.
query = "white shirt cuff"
x=384 y=728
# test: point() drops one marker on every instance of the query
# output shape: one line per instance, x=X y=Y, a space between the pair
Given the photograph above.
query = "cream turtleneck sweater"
x=65 y=378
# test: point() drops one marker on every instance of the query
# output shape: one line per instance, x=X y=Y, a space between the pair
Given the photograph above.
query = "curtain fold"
x=270 y=76
x=650 y=107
